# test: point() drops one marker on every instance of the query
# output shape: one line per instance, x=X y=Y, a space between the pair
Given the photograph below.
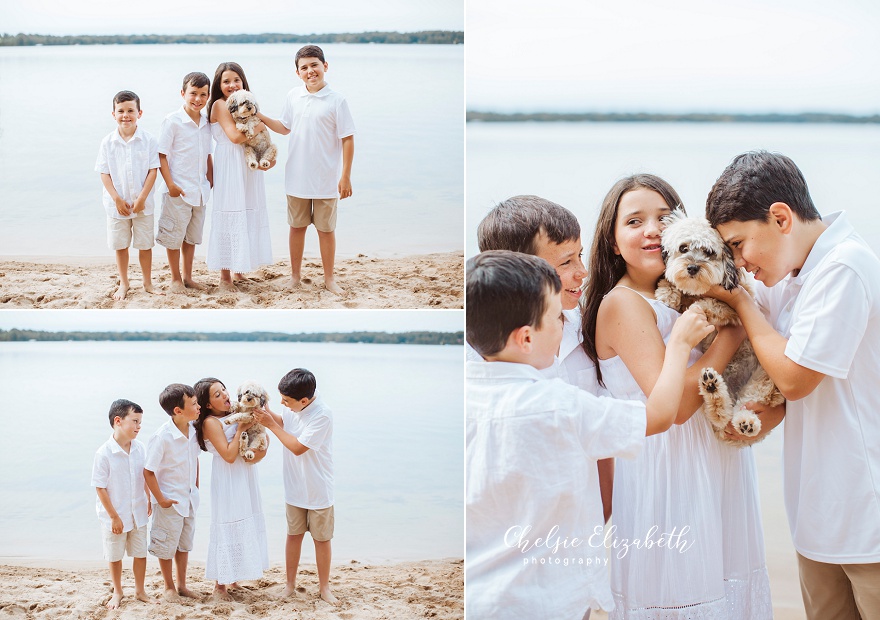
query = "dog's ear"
x=232 y=104
x=664 y=254
x=262 y=400
x=731 y=272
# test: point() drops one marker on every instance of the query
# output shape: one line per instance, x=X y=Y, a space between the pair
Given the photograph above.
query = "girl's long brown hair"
x=202 y=389
x=606 y=267
x=216 y=93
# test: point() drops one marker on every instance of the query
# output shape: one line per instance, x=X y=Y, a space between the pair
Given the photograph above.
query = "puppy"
x=259 y=151
x=696 y=258
x=250 y=395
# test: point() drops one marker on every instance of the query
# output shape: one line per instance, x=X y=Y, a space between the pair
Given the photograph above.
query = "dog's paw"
x=249 y=455
x=264 y=164
x=709 y=380
x=747 y=423
x=252 y=165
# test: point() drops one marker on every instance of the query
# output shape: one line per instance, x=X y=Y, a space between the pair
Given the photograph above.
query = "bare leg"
x=139 y=568
x=292 y=551
x=327 y=243
x=145 y=257
x=322 y=557
x=181 y=558
x=297 y=244
x=116 y=578
x=170 y=593
x=174 y=265
x=226 y=281
x=221 y=593
x=122 y=268
x=189 y=252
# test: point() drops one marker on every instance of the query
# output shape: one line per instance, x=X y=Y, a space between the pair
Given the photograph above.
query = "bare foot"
x=114 y=601
x=121 y=292
x=148 y=286
x=143 y=596
x=234 y=586
x=228 y=287
x=240 y=277
x=194 y=284
x=184 y=591
x=177 y=287
x=327 y=595
x=220 y=594
x=171 y=596
x=331 y=286
x=295 y=282
x=289 y=592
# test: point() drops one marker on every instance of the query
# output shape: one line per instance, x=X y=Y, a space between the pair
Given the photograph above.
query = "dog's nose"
x=693 y=269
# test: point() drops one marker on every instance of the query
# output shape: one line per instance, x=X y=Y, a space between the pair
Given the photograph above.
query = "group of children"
x=161 y=481
x=198 y=151
x=560 y=382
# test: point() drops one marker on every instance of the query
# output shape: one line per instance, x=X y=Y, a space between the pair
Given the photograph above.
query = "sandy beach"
x=419 y=281
x=426 y=589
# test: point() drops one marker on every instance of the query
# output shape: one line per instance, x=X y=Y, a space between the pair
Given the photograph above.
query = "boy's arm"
x=153 y=485
x=210 y=174
x=347 y=158
x=121 y=206
x=274 y=124
x=271 y=421
x=115 y=521
x=141 y=200
x=149 y=503
x=173 y=189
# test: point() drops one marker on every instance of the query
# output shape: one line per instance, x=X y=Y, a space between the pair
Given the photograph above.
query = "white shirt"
x=187 y=146
x=317 y=122
x=830 y=314
x=308 y=478
x=122 y=474
x=532 y=447
x=174 y=458
x=127 y=163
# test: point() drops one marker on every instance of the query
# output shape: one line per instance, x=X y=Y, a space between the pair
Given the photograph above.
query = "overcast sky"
x=675 y=55
x=296 y=321
x=60 y=17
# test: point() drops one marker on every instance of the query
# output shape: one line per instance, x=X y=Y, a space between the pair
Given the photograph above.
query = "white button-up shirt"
x=187 y=146
x=317 y=122
x=127 y=163
x=308 y=478
x=122 y=474
x=532 y=447
x=174 y=458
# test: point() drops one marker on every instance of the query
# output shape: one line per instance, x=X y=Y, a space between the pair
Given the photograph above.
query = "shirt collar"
x=137 y=136
x=321 y=93
x=203 y=119
x=571 y=332
x=508 y=371
x=313 y=406
x=838 y=229
x=114 y=445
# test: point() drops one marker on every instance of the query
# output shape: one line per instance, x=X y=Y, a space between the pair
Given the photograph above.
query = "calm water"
x=407 y=102
x=575 y=164
x=398 y=440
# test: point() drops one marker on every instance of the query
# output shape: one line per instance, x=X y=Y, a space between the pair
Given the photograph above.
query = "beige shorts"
x=319 y=523
x=318 y=211
x=136 y=232
x=170 y=532
x=134 y=542
x=840 y=591
x=179 y=221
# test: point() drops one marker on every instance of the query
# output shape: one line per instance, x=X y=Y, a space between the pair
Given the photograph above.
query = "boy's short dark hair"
x=173 y=396
x=196 y=79
x=515 y=224
x=309 y=51
x=505 y=290
x=126 y=95
x=299 y=383
x=121 y=407
x=752 y=182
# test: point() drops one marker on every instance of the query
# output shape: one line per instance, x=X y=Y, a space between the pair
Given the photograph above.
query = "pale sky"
x=62 y=17
x=296 y=321
x=676 y=55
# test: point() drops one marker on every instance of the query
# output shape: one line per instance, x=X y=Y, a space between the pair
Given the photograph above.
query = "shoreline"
x=416 y=281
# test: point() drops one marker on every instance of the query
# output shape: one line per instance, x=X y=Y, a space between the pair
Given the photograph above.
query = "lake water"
x=575 y=164
x=398 y=440
x=407 y=103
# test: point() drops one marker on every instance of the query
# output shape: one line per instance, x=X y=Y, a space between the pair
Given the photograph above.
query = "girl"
x=699 y=493
x=237 y=546
x=240 y=239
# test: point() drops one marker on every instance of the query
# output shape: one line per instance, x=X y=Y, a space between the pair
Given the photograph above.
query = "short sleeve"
x=608 y=427
x=344 y=121
x=287 y=111
x=316 y=433
x=100 y=471
x=829 y=322
x=102 y=164
x=152 y=153
x=155 y=452
x=166 y=136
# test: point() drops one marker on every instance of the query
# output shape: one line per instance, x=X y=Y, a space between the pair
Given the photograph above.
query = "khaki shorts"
x=318 y=211
x=839 y=591
x=319 y=523
x=170 y=532
x=179 y=221
x=134 y=542
x=136 y=232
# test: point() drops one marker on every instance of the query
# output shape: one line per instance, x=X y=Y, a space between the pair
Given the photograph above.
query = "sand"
x=426 y=589
x=420 y=281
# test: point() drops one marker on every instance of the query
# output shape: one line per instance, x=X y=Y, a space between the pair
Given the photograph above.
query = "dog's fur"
x=696 y=258
x=250 y=395
x=258 y=148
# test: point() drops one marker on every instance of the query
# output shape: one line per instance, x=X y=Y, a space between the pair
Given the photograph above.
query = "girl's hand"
x=243 y=426
x=260 y=127
x=691 y=327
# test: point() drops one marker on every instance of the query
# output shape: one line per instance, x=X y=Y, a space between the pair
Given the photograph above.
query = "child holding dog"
x=171 y=471
x=237 y=548
x=240 y=240
x=305 y=429
x=127 y=162
x=533 y=443
x=819 y=284
x=187 y=167
x=684 y=480
x=123 y=498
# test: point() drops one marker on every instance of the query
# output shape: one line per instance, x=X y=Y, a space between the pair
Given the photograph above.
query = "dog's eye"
x=683 y=249
x=710 y=253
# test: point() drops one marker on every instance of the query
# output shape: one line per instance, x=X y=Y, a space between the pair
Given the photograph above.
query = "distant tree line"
x=443 y=37
x=24 y=335
x=644 y=117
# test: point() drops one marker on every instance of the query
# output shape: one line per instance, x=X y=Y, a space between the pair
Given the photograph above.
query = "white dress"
x=685 y=482
x=239 y=238
x=237 y=547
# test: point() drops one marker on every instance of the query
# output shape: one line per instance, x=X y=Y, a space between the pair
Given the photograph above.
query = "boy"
x=306 y=430
x=188 y=170
x=172 y=474
x=819 y=344
x=323 y=136
x=533 y=442
x=123 y=499
x=127 y=161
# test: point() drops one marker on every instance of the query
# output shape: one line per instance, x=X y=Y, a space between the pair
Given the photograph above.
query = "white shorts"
x=170 y=532
x=134 y=542
x=136 y=232
x=179 y=221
